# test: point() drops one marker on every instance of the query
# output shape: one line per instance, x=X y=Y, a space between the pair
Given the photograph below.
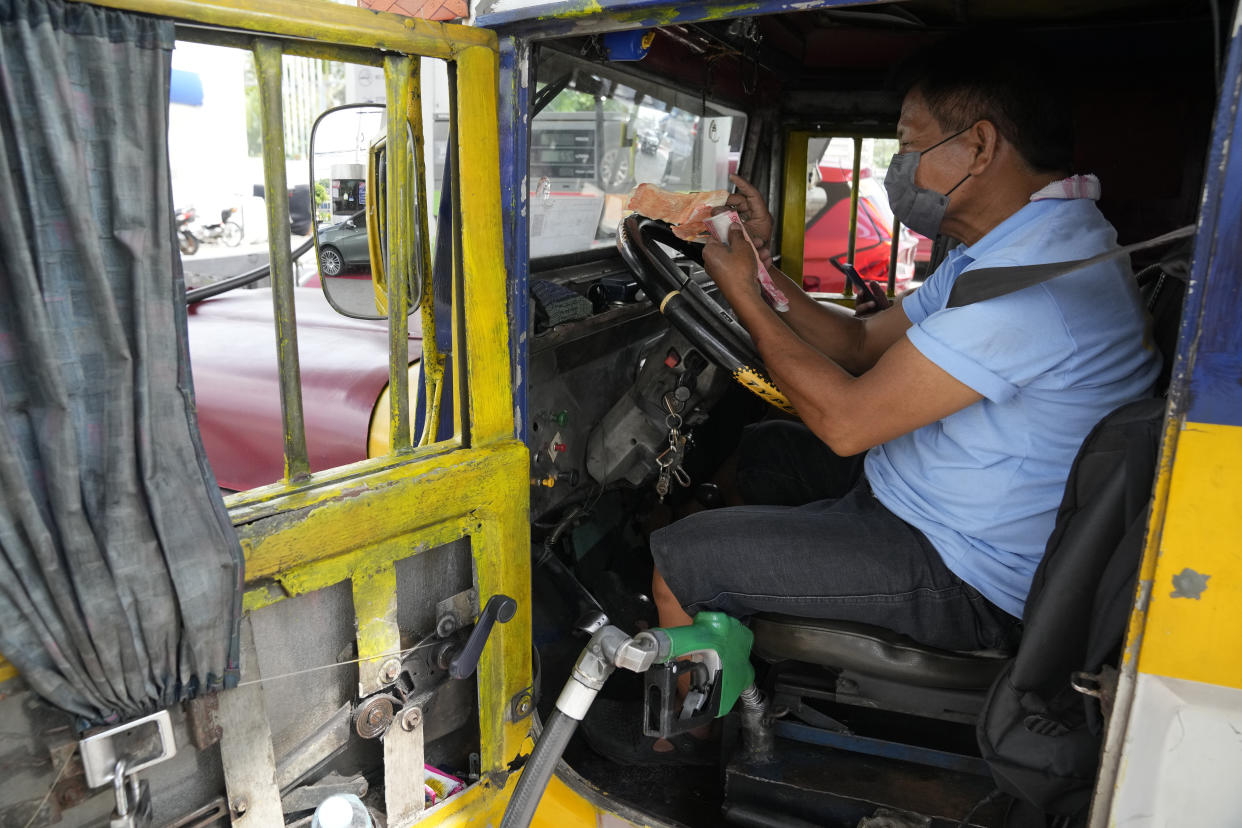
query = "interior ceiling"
x=979 y=12
x=788 y=56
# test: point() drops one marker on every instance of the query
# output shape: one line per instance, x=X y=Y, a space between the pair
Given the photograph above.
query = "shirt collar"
x=1076 y=186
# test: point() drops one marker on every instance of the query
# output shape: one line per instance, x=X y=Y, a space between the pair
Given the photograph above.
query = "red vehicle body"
x=827 y=235
x=344 y=365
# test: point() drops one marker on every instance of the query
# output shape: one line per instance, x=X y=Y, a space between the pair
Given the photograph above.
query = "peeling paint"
x=1189 y=584
x=579 y=9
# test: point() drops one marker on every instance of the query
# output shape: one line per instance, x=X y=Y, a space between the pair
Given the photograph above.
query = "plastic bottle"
x=342 y=811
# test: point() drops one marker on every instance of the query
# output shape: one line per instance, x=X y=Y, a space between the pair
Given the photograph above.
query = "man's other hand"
x=732 y=266
x=754 y=214
x=865 y=307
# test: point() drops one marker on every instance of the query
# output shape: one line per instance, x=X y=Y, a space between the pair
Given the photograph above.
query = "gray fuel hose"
x=595 y=664
x=538 y=770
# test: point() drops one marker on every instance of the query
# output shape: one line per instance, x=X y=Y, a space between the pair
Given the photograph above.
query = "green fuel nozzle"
x=722 y=645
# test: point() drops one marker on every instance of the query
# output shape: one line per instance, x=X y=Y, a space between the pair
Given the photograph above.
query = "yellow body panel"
x=1200 y=553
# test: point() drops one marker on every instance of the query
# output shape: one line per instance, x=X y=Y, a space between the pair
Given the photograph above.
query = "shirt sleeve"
x=927 y=298
x=997 y=346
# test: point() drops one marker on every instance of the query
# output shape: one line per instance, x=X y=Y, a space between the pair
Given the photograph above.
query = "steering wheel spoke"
x=709 y=325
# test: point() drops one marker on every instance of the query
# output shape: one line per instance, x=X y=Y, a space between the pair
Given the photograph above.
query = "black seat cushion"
x=874 y=651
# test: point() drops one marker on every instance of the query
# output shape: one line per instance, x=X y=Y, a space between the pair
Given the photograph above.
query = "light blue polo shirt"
x=984 y=484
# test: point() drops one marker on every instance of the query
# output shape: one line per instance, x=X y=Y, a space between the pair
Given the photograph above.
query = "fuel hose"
x=530 y=786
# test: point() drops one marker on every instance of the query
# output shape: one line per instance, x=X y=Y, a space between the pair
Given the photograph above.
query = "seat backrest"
x=1038 y=734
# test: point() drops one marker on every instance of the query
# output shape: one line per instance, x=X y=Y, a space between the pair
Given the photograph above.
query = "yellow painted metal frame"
x=354 y=523
x=793 y=208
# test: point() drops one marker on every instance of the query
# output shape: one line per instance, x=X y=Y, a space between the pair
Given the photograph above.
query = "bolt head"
x=411 y=718
x=523 y=705
x=375 y=716
x=390 y=670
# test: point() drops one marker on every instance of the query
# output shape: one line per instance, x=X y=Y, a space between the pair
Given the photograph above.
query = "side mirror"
x=347 y=163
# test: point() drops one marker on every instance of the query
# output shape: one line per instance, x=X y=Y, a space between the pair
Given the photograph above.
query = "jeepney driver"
x=921 y=486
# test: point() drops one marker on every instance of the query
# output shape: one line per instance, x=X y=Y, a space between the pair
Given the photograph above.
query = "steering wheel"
x=708 y=325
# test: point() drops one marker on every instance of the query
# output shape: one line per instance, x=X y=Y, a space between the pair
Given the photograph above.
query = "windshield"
x=602 y=134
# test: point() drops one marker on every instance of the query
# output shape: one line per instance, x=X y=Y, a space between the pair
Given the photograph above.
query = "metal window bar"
x=853 y=232
x=433 y=359
x=398 y=208
x=894 y=247
x=462 y=401
x=268 y=59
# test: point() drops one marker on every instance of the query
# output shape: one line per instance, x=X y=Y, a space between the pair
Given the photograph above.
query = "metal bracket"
x=456 y=612
x=404 y=760
x=142 y=743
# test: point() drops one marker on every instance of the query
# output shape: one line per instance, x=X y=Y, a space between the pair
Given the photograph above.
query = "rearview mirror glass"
x=348 y=226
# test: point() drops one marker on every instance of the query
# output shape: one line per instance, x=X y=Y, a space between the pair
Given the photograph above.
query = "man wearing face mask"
x=921 y=486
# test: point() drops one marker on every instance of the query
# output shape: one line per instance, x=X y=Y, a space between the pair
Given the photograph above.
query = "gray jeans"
x=841 y=555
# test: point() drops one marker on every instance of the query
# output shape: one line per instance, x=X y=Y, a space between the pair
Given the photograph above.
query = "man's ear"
x=985 y=140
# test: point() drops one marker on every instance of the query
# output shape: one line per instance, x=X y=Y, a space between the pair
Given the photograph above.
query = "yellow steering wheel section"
x=758 y=383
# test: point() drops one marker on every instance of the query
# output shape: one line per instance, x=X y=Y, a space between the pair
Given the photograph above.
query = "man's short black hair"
x=993 y=76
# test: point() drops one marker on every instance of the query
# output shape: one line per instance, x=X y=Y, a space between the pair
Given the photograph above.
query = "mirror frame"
x=377 y=315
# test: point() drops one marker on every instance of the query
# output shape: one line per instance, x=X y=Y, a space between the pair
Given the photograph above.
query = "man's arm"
x=855 y=343
x=901 y=392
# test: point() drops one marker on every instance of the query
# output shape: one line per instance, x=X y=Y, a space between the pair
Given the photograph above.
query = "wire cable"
x=51 y=788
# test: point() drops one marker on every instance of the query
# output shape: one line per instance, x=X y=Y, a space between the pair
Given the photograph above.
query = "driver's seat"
x=869 y=666
x=873 y=667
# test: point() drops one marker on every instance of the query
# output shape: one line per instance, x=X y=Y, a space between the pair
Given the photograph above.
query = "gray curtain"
x=120 y=575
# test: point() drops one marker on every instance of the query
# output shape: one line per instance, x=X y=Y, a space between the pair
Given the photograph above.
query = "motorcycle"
x=229 y=232
x=186 y=239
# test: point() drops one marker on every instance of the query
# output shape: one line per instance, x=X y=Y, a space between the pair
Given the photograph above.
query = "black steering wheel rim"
x=707 y=324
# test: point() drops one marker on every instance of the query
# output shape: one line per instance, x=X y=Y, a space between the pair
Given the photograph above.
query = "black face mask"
x=918 y=208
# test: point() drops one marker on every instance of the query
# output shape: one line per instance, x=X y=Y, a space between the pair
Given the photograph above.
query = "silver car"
x=344 y=245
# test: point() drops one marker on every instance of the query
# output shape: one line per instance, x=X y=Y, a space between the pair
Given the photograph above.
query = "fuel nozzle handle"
x=723 y=643
x=498 y=608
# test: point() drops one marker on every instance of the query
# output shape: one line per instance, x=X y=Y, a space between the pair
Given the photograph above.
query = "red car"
x=344 y=364
x=827 y=233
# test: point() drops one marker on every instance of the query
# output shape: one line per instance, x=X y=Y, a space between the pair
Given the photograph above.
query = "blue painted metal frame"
x=515 y=81
x=878 y=747
x=557 y=19
x=1211 y=390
